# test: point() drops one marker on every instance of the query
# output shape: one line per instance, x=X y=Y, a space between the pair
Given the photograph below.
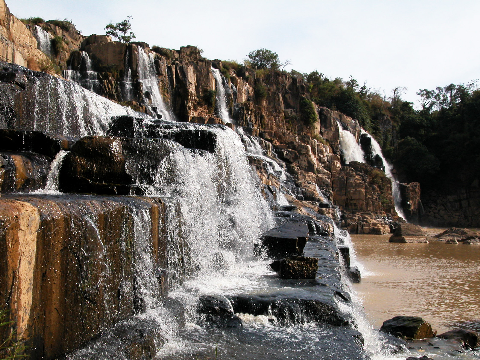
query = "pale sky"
x=414 y=44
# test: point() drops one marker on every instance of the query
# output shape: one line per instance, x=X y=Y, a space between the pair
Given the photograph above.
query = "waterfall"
x=147 y=76
x=52 y=179
x=397 y=197
x=44 y=40
x=352 y=151
x=58 y=107
x=85 y=77
x=221 y=97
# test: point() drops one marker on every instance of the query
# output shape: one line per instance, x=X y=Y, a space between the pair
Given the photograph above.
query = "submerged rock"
x=469 y=339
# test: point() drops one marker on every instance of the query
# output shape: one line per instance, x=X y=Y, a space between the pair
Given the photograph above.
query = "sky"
x=385 y=44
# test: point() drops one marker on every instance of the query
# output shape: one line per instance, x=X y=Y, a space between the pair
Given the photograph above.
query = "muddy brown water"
x=437 y=281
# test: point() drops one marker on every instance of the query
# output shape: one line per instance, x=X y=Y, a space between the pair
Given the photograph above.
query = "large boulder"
x=408 y=327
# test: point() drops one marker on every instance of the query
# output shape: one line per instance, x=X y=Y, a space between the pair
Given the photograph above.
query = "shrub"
x=57 y=44
x=260 y=91
x=308 y=113
x=33 y=21
x=209 y=98
x=65 y=24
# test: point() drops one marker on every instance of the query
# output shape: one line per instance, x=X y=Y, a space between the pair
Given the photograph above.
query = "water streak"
x=221 y=97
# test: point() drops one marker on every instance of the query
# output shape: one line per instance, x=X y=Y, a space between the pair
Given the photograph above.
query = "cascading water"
x=352 y=151
x=85 y=77
x=221 y=97
x=147 y=76
x=44 y=40
x=397 y=197
x=51 y=186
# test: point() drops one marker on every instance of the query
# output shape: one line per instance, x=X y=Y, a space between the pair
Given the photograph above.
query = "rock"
x=23 y=172
x=286 y=240
x=296 y=267
x=406 y=232
x=408 y=327
x=468 y=338
x=354 y=274
x=455 y=235
x=33 y=141
x=289 y=310
x=218 y=311
x=424 y=357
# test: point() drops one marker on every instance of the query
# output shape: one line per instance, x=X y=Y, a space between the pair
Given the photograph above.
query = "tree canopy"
x=121 y=31
x=265 y=59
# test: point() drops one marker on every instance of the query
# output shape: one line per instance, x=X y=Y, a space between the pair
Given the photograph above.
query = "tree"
x=121 y=31
x=265 y=59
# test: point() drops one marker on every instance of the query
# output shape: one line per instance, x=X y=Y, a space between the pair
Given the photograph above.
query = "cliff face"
x=17 y=44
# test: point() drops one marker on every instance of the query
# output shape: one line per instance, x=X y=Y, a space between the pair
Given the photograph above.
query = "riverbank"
x=436 y=281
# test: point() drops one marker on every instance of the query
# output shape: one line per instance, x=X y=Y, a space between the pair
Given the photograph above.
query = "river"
x=437 y=281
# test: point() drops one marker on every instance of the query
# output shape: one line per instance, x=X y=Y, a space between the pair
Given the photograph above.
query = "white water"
x=44 y=40
x=352 y=151
x=51 y=186
x=377 y=150
x=148 y=77
x=221 y=97
x=60 y=107
x=85 y=77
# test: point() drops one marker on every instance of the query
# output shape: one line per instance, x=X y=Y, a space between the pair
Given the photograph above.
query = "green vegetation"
x=260 y=90
x=308 y=114
x=65 y=24
x=264 y=59
x=9 y=347
x=209 y=98
x=121 y=31
x=33 y=21
x=57 y=45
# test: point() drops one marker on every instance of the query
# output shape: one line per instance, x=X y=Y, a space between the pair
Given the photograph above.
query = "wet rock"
x=408 y=327
x=113 y=166
x=354 y=274
x=33 y=141
x=468 y=338
x=455 y=235
x=296 y=267
x=218 y=311
x=405 y=232
x=23 y=172
x=286 y=240
x=289 y=310
x=424 y=357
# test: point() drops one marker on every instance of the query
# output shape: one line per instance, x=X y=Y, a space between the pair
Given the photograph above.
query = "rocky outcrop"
x=17 y=44
x=459 y=208
x=69 y=268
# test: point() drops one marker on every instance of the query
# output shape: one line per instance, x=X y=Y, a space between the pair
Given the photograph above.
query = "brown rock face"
x=69 y=268
x=17 y=44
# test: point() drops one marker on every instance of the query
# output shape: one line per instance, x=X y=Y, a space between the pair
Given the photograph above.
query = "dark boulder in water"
x=408 y=327
x=469 y=339
x=218 y=311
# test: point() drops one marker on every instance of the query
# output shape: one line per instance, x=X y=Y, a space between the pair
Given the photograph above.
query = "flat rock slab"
x=286 y=240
